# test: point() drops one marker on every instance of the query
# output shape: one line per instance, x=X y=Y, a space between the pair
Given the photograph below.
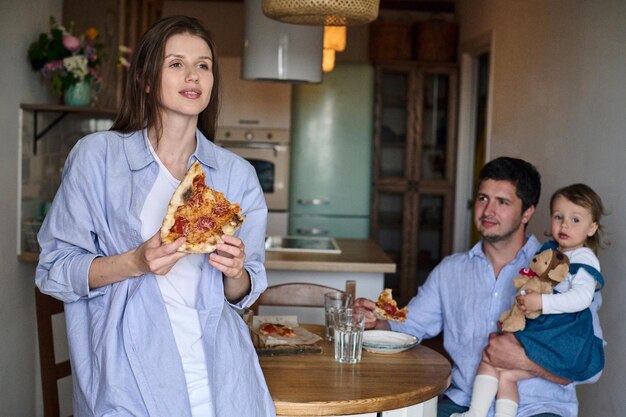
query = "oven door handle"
x=256 y=145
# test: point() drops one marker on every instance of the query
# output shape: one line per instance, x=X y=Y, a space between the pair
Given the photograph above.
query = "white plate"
x=387 y=341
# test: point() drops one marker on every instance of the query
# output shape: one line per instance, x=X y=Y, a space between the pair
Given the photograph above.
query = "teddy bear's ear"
x=559 y=273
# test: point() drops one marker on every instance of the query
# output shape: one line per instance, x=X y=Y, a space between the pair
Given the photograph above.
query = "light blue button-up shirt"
x=124 y=357
x=463 y=298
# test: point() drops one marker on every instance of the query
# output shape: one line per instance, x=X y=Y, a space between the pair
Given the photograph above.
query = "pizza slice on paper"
x=276 y=329
x=387 y=308
x=200 y=214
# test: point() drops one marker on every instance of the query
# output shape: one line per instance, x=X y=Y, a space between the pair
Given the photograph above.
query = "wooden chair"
x=298 y=295
x=51 y=371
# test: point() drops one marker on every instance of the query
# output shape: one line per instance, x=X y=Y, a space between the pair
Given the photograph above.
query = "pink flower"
x=52 y=67
x=71 y=43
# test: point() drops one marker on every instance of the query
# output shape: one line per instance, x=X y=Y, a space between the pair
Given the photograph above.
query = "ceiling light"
x=328 y=60
x=322 y=12
x=335 y=38
x=334 y=41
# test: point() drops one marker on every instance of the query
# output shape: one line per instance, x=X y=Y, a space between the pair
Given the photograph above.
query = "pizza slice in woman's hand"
x=200 y=214
x=387 y=308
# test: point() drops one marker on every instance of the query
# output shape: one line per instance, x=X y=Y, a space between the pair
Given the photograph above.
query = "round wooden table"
x=316 y=385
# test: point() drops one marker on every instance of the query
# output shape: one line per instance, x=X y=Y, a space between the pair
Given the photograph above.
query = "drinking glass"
x=334 y=302
x=348 y=335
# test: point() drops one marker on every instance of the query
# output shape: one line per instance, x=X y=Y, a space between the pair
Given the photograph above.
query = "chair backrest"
x=51 y=371
x=298 y=294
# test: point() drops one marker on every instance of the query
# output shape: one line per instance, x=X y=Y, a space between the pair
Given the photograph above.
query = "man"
x=465 y=294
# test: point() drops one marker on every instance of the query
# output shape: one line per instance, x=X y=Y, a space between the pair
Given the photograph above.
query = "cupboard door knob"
x=313 y=231
x=313 y=201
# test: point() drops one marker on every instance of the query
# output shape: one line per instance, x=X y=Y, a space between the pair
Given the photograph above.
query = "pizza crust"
x=386 y=298
x=179 y=198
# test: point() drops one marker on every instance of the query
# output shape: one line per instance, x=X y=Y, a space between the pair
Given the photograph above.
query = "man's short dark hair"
x=523 y=175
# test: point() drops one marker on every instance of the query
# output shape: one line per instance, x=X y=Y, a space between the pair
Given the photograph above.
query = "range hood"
x=278 y=51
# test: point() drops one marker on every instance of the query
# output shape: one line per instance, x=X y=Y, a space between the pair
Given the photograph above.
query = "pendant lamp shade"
x=322 y=12
x=328 y=61
x=278 y=51
x=335 y=38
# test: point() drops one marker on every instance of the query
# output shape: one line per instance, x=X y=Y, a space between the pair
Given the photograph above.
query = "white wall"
x=20 y=24
x=559 y=94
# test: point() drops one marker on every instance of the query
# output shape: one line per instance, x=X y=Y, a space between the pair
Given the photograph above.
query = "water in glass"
x=348 y=343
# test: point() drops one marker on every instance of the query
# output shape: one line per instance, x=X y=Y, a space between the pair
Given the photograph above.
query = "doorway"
x=474 y=134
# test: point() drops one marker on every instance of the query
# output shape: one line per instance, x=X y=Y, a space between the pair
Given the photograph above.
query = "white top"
x=576 y=292
x=179 y=289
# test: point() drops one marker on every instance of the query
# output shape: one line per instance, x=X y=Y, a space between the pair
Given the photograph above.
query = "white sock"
x=483 y=393
x=505 y=408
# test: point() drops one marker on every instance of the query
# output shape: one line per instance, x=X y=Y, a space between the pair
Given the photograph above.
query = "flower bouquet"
x=67 y=60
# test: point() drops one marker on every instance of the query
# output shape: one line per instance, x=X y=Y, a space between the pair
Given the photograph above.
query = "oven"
x=268 y=150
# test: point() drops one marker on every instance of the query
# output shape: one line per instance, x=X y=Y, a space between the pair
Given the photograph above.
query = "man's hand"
x=368 y=307
x=505 y=352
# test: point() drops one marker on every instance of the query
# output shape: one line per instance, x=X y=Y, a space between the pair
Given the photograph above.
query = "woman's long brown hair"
x=141 y=102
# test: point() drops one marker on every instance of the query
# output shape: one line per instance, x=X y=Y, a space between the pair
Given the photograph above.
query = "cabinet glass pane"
x=393 y=123
x=429 y=251
x=435 y=113
x=390 y=231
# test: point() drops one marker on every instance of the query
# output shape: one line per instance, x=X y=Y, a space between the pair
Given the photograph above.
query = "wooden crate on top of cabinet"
x=413 y=168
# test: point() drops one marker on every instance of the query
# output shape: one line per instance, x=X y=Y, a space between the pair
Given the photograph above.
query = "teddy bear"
x=547 y=269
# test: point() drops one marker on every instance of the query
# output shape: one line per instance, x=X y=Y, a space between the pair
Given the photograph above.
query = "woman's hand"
x=368 y=307
x=229 y=257
x=153 y=257
x=149 y=257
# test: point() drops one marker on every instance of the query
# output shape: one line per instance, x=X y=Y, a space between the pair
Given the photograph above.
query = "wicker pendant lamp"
x=322 y=12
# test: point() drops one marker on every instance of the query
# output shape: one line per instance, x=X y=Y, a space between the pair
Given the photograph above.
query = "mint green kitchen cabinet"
x=331 y=163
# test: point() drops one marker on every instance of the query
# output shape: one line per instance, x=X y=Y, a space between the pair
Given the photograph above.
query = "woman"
x=155 y=332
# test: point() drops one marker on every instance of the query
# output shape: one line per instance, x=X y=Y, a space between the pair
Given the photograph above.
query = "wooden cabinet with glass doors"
x=414 y=157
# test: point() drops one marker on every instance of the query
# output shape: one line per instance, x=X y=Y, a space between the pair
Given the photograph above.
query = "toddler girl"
x=563 y=344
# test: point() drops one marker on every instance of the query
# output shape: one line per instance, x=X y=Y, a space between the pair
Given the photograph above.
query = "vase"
x=78 y=94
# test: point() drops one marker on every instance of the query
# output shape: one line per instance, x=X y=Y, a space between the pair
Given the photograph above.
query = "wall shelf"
x=64 y=111
x=40 y=174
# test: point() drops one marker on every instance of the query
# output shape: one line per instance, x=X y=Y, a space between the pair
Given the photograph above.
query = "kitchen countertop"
x=357 y=255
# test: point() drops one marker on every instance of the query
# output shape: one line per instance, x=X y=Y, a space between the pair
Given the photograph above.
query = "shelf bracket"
x=39 y=135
